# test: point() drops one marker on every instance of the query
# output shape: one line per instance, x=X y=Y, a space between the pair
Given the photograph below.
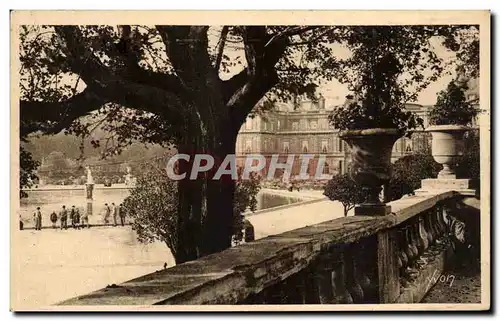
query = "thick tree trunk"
x=205 y=205
x=217 y=225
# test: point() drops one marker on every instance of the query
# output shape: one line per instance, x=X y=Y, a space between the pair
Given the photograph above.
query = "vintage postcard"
x=250 y=160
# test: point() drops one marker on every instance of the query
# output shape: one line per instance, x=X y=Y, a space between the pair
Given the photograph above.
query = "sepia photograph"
x=250 y=160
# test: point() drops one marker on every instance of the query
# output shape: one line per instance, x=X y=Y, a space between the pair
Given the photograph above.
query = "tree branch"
x=133 y=87
x=291 y=31
x=220 y=47
x=250 y=85
x=52 y=117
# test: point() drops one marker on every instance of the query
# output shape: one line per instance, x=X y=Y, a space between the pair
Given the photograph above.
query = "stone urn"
x=447 y=147
x=371 y=151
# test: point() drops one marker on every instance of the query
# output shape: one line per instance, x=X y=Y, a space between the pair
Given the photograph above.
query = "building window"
x=265 y=146
x=314 y=124
x=340 y=144
x=265 y=124
x=408 y=147
x=286 y=147
x=324 y=146
x=248 y=146
x=279 y=125
x=305 y=146
x=295 y=125
x=326 y=168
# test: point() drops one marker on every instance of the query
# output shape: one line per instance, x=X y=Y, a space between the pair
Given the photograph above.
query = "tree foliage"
x=409 y=171
x=469 y=166
x=153 y=207
x=452 y=107
x=343 y=189
x=27 y=173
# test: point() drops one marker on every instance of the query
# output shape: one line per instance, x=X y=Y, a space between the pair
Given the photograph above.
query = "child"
x=53 y=219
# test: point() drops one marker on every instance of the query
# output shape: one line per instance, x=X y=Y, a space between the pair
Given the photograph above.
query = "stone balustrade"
x=356 y=259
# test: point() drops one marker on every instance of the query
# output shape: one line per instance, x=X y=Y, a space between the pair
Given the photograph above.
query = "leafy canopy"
x=452 y=107
x=389 y=67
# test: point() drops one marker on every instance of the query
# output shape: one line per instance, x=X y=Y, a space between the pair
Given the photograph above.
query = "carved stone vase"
x=371 y=151
x=447 y=147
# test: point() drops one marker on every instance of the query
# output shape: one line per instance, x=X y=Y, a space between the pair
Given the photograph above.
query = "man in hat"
x=121 y=212
x=107 y=213
x=38 y=219
x=114 y=211
x=64 y=218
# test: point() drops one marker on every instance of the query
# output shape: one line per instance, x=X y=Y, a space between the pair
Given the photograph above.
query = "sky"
x=333 y=91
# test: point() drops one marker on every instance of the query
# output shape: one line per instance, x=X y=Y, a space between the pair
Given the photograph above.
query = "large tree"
x=193 y=86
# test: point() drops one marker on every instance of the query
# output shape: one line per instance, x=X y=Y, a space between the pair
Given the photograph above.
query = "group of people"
x=116 y=211
x=77 y=220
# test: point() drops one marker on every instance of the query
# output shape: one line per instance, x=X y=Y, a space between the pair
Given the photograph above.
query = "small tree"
x=343 y=189
x=153 y=206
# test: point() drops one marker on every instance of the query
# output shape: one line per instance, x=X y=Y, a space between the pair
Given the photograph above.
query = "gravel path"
x=460 y=285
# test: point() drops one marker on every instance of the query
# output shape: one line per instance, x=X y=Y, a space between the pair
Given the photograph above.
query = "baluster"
x=428 y=227
x=443 y=226
x=414 y=239
x=295 y=288
x=440 y=221
x=433 y=225
x=342 y=296
x=423 y=243
x=403 y=259
x=435 y=220
x=411 y=237
x=366 y=280
x=402 y=246
x=323 y=280
x=352 y=282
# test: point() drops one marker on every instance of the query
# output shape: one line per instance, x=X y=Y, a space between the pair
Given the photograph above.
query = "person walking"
x=85 y=219
x=53 y=219
x=38 y=219
x=64 y=218
x=114 y=211
x=34 y=219
x=77 y=218
x=121 y=212
x=107 y=213
x=72 y=216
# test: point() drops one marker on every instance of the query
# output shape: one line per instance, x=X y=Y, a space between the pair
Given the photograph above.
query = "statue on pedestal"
x=90 y=180
x=128 y=177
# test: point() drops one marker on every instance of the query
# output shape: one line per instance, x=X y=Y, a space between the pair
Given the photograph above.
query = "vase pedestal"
x=438 y=185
